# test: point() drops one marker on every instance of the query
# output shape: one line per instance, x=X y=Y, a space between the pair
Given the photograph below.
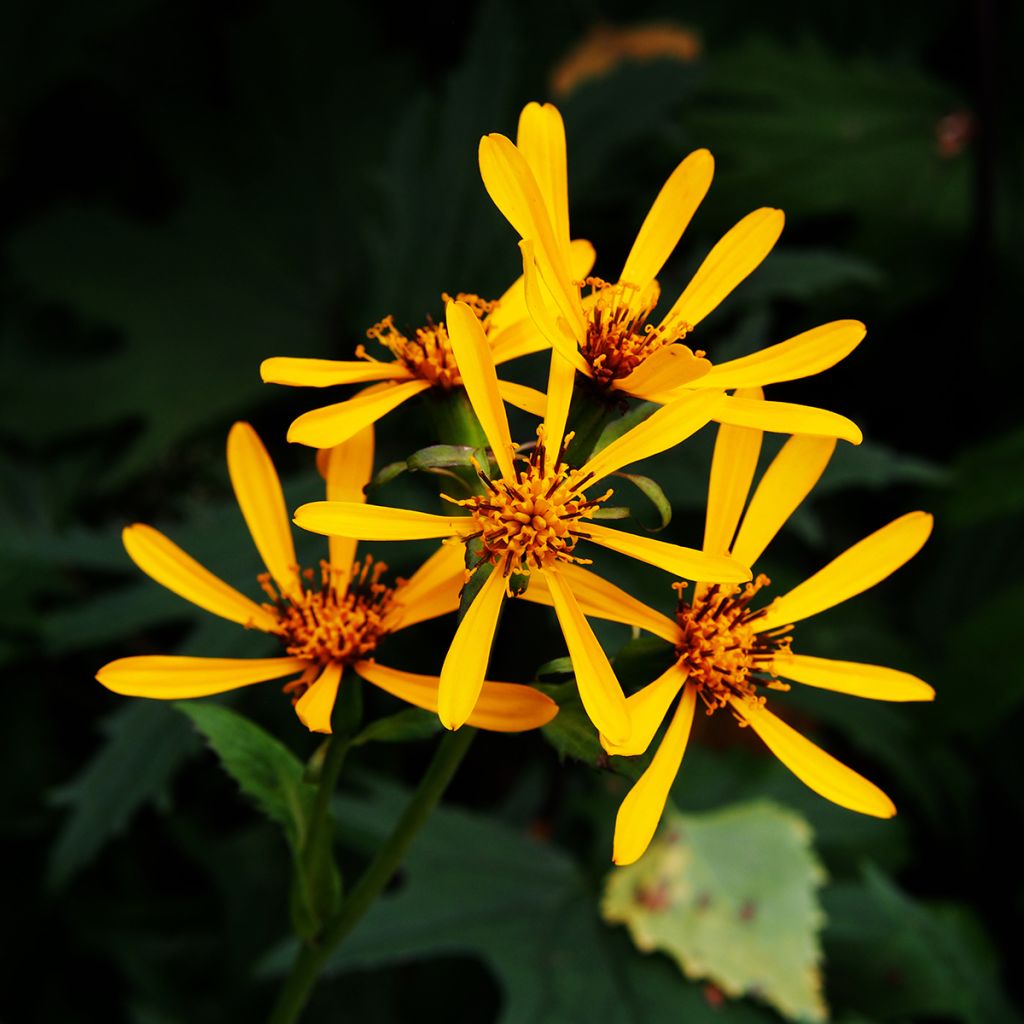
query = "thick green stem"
x=311 y=958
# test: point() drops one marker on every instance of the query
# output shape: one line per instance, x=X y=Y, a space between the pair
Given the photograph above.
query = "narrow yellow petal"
x=374 y=522
x=812 y=766
x=522 y=397
x=668 y=218
x=561 y=378
x=521 y=338
x=786 y=482
x=465 y=665
x=348 y=469
x=600 y=692
x=666 y=369
x=432 y=590
x=787 y=418
x=514 y=190
x=873 y=681
x=541 y=140
x=316 y=705
x=647 y=710
x=555 y=328
x=600 y=599
x=172 y=677
x=501 y=707
x=476 y=367
x=261 y=500
x=679 y=561
x=868 y=562
x=640 y=812
x=162 y=560
x=732 y=470
x=324 y=373
x=736 y=255
x=802 y=356
x=332 y=424
x=663 y=429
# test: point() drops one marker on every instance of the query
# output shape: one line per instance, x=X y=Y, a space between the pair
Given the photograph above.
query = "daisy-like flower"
x=423 y=362
x=729 y=653
x=529 y=520
x=327 y=620
x=610 y=334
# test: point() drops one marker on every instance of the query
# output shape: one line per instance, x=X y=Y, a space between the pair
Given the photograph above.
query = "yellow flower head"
x=326 y=621
x=420 y=361
x=732 y=649
x=530 y=520
x=611 y=334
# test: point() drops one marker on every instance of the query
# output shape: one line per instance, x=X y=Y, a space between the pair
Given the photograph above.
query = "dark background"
x=188 y=188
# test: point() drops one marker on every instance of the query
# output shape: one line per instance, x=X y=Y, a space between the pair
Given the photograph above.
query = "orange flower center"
x=618 y=336
x=533 y=521
x=428 y=354
x=720 y=651
x=322 y=625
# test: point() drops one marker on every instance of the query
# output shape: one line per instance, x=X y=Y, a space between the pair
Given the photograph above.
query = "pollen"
x=325 y=625
x=535 y=520
x=618 y=335
x=720 y=651
x=428 y=354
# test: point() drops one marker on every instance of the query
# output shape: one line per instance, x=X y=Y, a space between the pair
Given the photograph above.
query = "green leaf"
x=445 y=456
x=903 y=960
x=145 y=745
x=655 y=495
x=410 y=724
x=732 y=897
x=474 y=886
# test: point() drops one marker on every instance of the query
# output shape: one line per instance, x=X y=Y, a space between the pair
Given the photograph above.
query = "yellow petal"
x=600 y=692
x=670 y=367
x=732 y=470
x=647 y=710
x=326 y=427
x=640 y=812
x=802 y=356
x=465 y=665
x=868 y=562
x=432 y=590
x=316 y=705
x=261 y=500
x=541 y=140
x=171 y=677
x=663 y=429
x=581 y=258
x=668 y=218
x=858 y=680
x=514 y=190
x=787 y=418
x=522 y=397
x=679 y=561
x=323 y=373
x=554 y=327
x=501 y=707
x=522 y=338
x=786 y=482
x=162 y=560
x=374 y=522
x=561 y=378
x=600 y=599
x=736 y=256
x=476 y=367
x=348 y=469
x=812 y=766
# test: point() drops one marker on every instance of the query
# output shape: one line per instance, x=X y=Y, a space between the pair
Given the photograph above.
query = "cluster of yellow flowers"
x=536 y=502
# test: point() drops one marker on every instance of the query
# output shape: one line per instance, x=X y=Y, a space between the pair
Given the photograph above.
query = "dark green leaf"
x=410 y=724
x=655 y=495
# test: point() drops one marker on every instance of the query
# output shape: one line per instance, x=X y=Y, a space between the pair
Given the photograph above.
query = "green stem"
x=311 y=958
x=589 y=414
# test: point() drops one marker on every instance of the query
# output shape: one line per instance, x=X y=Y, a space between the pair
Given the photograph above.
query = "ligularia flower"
x=327 y=621
x=610 y=335
x=530 y=520
x=422 y=363
x=729 y=653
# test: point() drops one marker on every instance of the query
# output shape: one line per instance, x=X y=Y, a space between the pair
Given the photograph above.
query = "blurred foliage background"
x=187 y=188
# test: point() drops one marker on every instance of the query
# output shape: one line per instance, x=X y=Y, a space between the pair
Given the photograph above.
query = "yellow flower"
x=326 y=622
x=729 y=654
x=610 y=335
x=423 y=362
x=530 y=520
